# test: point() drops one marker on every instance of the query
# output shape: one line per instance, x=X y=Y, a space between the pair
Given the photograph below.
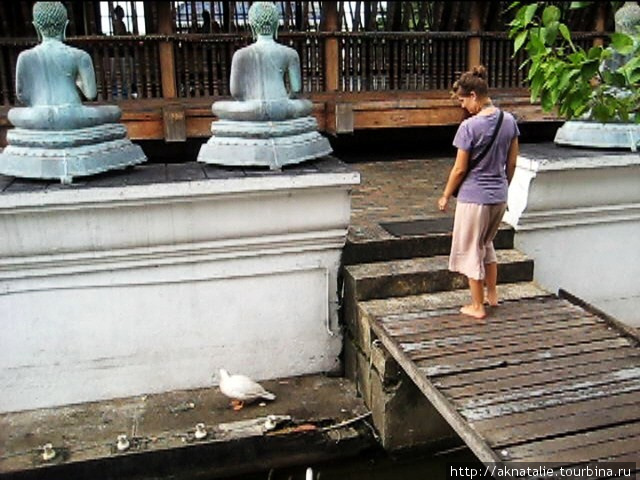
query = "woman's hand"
x=442 y=203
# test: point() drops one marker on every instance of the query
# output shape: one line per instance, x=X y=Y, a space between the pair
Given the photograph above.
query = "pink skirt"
x=474 y=228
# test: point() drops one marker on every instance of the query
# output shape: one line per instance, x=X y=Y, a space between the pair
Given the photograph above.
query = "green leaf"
x=576 y=5
x=550 y=15
x=547 y=101
x=519 y=41
x=564 y=31
x=589 y=69
x=622 y=43
x=595 y=53
x=551 y=33
x=529 y=13
x=536 y=86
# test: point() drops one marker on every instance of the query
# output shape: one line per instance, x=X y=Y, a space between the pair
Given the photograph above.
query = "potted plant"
x=588 y=88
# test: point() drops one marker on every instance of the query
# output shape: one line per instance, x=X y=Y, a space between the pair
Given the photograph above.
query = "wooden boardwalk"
x=543 y=379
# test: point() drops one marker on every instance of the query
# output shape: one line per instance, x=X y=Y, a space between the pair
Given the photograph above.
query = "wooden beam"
x=474 y=46
x=331 y=52
x=601 y=19
x=167 y=56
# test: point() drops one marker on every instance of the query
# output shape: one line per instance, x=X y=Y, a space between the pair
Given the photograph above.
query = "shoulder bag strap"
x=474 y=162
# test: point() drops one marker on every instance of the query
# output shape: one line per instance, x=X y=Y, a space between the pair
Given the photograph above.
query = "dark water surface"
x=374 y=465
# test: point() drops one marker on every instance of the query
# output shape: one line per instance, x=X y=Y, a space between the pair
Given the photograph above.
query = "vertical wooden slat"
x=98 y=67
x=117 y=67
x=474 y=45
x=331 y=50
x=601 y=19
x=147 y=70
x=216 y=57
x=166 y=51
x=137 y=75
x=206 y=61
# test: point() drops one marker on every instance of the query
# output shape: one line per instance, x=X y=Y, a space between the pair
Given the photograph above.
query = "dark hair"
x=474 y=80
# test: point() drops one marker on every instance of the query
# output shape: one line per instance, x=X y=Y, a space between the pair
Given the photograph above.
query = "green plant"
x=601 y=83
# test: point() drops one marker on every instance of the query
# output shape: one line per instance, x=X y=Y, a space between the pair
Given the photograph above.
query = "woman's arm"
x=512 y=157
x=455 y=178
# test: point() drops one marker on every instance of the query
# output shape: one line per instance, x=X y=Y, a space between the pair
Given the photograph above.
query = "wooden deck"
x=544 y=379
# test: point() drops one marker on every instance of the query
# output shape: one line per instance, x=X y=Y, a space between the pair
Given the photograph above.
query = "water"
x=373 y=465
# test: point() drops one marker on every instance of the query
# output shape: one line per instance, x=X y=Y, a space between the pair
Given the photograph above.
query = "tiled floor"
x=396 y=190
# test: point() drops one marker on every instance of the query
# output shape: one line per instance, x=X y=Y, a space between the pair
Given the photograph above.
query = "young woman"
x=482 y=194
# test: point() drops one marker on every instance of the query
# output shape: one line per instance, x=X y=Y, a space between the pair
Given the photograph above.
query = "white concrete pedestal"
x=577 y=214
x=131 y=289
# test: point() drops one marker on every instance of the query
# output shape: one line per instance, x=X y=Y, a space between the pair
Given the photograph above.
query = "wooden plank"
x=468 y=363
x=537 y=342
x=539 y=366
x=435 y=325
x=198 y=127
x=511 y=330
x=547 y=378
x=589 y=420
x=407 y=118
x=582 y=447
x=547 y=390
x=175 y=129
x=437 y=399
x=474 y=44
x=331 y=53
x=166 y=52
x=436 y=317
x=548 y=399
x=515 y=420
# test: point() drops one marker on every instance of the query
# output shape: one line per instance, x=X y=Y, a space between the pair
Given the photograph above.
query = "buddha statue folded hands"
x=74 y=139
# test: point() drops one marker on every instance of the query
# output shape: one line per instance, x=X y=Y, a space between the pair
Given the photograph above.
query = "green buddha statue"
x=265 y=125
x=55 y=135
x=257 y=75
x=50 y=77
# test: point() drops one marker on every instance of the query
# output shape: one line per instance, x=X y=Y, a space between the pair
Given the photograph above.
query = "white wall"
x=577 y=214
x=123 y=291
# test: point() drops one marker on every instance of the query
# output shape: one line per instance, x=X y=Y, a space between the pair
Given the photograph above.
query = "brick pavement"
x=396 y=190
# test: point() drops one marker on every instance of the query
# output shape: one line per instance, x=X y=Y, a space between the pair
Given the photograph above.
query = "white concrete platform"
x=150 y=281
x=577 y=214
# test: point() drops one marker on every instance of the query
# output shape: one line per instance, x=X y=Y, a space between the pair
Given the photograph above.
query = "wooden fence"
x=128 y=67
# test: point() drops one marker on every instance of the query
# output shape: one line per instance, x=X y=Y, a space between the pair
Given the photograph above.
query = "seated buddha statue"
x=50 y=77
x=55 y=135
x=258 y=72
x=265 y=125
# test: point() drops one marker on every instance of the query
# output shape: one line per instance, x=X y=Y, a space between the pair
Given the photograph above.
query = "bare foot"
x=492 y=298
x=475 y=312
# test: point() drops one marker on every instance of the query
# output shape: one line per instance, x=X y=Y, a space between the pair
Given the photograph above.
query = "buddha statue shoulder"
x=258 y=72
x=51 y=76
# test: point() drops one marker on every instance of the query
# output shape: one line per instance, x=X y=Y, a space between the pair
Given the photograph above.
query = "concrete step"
x=400 y=278
x=411 y=246
x=440 y=301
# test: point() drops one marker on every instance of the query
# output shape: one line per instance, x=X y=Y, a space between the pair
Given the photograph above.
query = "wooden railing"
x=375 y=61
x=128 y=67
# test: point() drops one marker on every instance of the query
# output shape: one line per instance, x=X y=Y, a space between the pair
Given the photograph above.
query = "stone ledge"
x=160 y=429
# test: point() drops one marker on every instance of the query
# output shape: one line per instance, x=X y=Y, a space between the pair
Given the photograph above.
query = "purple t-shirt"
x=487 y=183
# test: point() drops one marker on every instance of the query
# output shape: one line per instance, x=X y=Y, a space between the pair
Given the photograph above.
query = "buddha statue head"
x=263 y=19
x=50 y=20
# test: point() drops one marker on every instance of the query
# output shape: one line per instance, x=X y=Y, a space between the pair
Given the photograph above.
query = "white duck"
x=241 y=389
